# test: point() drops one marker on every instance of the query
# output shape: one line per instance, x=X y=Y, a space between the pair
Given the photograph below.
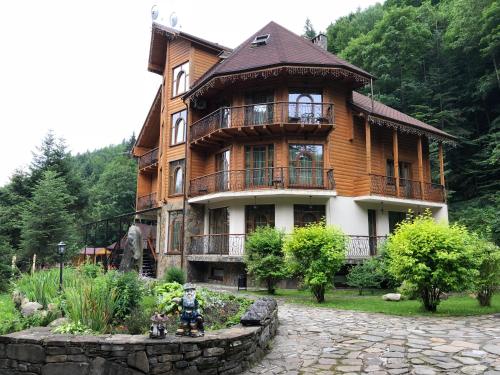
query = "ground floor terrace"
x=315 y=340
x=211 y=243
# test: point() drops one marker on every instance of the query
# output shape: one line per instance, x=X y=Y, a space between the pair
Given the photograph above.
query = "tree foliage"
x=489 y=271
x=315 y=253
x=434 y=257
x=368 y=274
x=309 y=31
x=264 y=258
x=438 y=61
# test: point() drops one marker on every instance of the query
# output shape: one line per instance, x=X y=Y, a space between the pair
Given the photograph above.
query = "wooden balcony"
x=408 y=189
x=265 y=119
x=147 y=201
x=232 y=246
x=263 y=178
x=148 y=162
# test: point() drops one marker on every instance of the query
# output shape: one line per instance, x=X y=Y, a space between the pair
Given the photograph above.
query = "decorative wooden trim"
x=441 y=163
x=395 y=152
x=420 y=162
x=368 y=141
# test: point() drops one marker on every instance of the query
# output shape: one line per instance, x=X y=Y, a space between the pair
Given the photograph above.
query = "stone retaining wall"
x=227 y=351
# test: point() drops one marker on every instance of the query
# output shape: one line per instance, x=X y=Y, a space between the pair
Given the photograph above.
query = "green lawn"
x=459 y=305
x=9 y=316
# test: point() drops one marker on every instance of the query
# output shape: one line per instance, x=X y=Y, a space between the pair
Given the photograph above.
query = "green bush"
x=264 y=256
x=315 y=253
x=138 y=321
x=489 y=271
x=366 y=275
x=73 y=328
x=129 y=292
x=91 y=270
x=433 y=256
x=408 y=290
x=175 y=275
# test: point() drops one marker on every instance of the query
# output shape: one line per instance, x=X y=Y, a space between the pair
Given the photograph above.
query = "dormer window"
x=260 y=40
x=180 y=79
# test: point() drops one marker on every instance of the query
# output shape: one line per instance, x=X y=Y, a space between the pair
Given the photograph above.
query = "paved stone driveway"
x=324 y=341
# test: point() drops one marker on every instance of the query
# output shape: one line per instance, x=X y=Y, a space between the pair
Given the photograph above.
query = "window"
x=222 y=167
x=404 y=171
x=259 y=162
x=305 y=107
x=178 y=128
x=175 y=231
x=394 y=219
x=259 y=216
x=260 y=40
x=217 y=274
x=304 y=214
x=180 y=83
x=259 y=108
x=176 y=171
x=306 y=165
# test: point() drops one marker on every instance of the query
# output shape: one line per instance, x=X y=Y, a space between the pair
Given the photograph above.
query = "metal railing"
x=217 y=244
x=361 y=247
x=263 y=114
x=146 y=201
x=263 y=178
x=149 y=158
x=409 y=189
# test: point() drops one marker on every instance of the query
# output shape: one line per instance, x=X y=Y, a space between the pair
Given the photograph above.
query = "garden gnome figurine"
x=157 y=330
x=191 y=323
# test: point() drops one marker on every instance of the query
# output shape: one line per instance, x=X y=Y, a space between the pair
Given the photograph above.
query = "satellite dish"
x=155 y=11
x=173 y=19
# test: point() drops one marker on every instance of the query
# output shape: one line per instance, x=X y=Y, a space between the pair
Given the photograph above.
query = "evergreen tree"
x=47 y=220
x=309 y=31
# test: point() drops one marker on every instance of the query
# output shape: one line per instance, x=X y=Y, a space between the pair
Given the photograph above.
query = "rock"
x=391 y=297
x=26 y=352
x=139 y=360
x=59 y=322
x=17 y=298
x=30 y=308
x=65 y=368
x=52 y=307
x=259 y=312
x=492 y=348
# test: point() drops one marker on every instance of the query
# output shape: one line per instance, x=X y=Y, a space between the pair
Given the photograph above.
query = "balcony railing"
x=263 y=114
x=146 y=201
x=263 y=178
x=359 y=247
x=148 y=159
x=408 y=189
x=218 y=244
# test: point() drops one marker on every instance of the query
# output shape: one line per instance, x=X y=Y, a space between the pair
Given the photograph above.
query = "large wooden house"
x=273 y=132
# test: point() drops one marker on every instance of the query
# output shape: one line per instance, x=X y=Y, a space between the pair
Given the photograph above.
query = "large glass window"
x=258 y=216
x=180 y=82
x=178 y=128
x=175 y=231
x=259 y=108
x=305 y=107
x=176 y=172
x=304 y=214
x=306 y=165
x=222 y=167
x=259 y=163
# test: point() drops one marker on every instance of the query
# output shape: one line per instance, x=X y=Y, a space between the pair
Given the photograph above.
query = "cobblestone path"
x=324 y=341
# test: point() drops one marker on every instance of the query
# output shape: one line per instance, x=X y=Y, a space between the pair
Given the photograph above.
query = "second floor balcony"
x=263 y=178
x=261 y=120
x=149 y=160
x=406 y=189
x=147 y=201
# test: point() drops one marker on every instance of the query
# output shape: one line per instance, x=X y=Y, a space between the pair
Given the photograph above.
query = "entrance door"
x=218 y=222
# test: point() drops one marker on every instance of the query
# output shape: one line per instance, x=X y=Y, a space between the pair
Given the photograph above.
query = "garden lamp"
x=61 y=248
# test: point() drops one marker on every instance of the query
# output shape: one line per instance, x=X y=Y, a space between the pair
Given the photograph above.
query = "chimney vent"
x=320 y=40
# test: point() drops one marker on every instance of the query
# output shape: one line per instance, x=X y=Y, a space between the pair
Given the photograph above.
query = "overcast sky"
x=80 y=67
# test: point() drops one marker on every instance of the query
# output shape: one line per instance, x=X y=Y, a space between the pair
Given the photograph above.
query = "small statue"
x=157 y=330
x=191 y=323
x=132 y=254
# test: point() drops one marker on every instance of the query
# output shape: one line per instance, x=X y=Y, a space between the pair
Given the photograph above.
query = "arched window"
x=304 y=107
x=178 y=129
x=175 y=231
x=306 y=165
x=176 y=185
x=180 y=83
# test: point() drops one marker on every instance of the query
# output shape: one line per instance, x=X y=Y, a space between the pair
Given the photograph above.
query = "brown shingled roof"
x=283 y=48
x=381 y=110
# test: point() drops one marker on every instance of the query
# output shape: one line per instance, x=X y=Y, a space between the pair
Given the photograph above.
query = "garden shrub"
x=129 y=292
x=315 y=253
x=73 y=328
x=435 y=257
x=408 y=290
x=366 y=275
x=91 y=270
x=175 y=275
x=489 y=271
x=138 y=321
x=264 y=256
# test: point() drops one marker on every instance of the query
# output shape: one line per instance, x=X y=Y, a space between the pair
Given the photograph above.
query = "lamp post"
x=61 y=248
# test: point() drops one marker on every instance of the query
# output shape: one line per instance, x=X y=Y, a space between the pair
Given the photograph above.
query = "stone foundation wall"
x=227 y=351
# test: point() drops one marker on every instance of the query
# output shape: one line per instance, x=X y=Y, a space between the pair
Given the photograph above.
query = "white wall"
x=283 y=217
x=348 y=215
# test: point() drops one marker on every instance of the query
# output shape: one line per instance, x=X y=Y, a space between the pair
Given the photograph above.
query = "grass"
x=9 y=316
x=348 y=299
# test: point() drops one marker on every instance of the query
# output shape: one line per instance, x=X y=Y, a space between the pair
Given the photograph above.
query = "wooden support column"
x=395 y=151
x=420 y=166
x=368 y=141
x=441 y=163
